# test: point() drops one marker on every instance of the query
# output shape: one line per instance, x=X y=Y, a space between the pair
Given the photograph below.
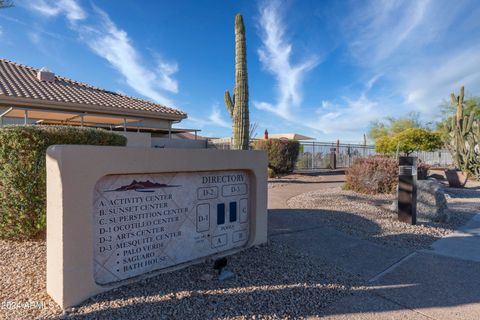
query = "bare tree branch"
x=6 y=4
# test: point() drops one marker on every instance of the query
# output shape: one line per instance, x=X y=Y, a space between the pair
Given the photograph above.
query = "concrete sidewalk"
x=423 y=286
x=441 y=283
x=462 y=244
x=278 y=197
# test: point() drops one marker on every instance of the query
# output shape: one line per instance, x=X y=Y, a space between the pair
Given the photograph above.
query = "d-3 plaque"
x=149 y=222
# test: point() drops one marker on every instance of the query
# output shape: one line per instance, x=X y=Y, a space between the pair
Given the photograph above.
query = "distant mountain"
x=142 y=185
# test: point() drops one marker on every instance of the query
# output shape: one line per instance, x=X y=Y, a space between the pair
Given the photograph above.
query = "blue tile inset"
x=221 y=213
x=233 y=211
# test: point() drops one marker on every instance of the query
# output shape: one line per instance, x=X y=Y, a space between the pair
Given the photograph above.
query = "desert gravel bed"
x=22 y=286
x=369 y=216
x=270 y=282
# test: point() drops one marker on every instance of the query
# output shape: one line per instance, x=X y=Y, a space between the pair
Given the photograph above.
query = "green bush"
x=408 y=141
x=373 y=175
x=23 y=174
x=282 y=153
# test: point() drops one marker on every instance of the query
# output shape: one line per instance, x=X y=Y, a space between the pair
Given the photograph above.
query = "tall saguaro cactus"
x=238 y=106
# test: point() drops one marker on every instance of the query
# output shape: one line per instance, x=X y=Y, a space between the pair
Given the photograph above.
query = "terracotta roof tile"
x=17 y=80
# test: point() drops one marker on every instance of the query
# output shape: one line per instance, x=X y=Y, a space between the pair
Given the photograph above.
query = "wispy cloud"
x=371 y=82
x=276 y=55
x=214 y=119
x=217 y=119
x=408 y=56
x=424 y=86
x=35 y=37
x=165 y=71
x=385 y=26
x=422 y=49
x=70 y=8
x=347 y=116
x=114 y=45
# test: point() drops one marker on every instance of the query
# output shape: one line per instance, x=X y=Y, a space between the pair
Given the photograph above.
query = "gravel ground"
x=373 y=219
x=23 y=286
x=270 y=282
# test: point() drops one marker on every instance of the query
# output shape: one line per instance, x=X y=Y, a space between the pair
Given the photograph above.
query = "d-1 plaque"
x=150 y=222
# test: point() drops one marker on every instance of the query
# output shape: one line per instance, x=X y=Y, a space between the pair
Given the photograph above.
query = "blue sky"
x=320 y=68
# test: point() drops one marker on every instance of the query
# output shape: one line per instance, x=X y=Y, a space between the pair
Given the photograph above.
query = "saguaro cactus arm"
x=228 y=103
x=454 y=99
x=459 y=102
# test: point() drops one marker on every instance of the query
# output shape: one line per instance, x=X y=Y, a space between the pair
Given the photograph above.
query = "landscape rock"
x=431 y=202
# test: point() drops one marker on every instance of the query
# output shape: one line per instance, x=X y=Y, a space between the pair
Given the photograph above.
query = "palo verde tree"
x=408 y=141
x=237 y=106
x=391 y=126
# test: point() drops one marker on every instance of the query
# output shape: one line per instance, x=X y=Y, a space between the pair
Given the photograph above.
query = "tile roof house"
x=29 y=95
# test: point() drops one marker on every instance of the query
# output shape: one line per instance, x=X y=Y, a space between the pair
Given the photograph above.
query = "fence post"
x=333 y=158
x=349 y=152
x=337 y=157
x=313 y=153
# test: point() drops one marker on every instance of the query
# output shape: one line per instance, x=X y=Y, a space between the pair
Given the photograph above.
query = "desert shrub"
x=373 y=175
x=23 y=174
x=282 y=153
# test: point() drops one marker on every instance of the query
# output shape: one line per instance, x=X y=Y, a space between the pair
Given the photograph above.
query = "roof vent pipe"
x=45 y=75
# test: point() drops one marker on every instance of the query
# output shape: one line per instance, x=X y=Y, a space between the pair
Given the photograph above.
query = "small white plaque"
x=243 y=210
x=149 y=222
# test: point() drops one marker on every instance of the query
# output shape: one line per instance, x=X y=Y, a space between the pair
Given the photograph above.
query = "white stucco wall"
x=178 y=143
x=137 y=139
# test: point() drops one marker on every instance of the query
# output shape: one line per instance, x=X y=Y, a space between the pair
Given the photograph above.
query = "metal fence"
x=221 y=145
x=439 y=158
x=224 y=144
x=317 y=155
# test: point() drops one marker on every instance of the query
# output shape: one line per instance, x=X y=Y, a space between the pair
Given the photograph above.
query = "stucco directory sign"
x=149 y=222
